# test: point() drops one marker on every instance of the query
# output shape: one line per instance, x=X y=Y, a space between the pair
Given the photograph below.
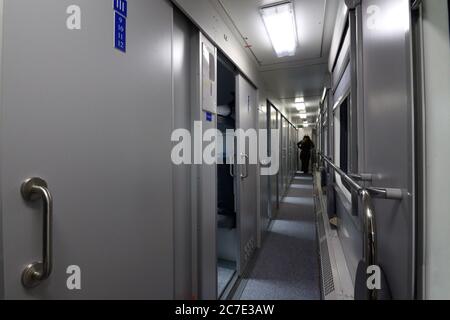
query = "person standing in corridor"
x=306 y=145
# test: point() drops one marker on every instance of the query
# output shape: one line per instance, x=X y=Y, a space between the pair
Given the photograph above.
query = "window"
x=342 y=142
x=344 y=134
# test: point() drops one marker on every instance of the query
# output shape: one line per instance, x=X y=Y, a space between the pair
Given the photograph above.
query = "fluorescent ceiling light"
x=303 y=116
x=324 y=94
x=300 y=100
x=300 y=106
x=280 y=25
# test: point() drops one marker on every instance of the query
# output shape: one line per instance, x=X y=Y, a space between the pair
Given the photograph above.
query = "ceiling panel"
x=306 y=73
x=310 y=15
x=297 y=82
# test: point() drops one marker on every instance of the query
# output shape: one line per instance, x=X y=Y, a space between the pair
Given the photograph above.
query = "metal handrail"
x=342 y=174
x=370 y=234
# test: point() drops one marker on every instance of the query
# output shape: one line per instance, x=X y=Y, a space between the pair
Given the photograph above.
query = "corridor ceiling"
x=302 y=75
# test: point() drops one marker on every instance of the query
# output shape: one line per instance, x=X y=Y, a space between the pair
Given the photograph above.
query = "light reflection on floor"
x=302 y=186
x=299 y=200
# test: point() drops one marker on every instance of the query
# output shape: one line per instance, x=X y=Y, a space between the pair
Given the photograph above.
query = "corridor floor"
x=287 y=266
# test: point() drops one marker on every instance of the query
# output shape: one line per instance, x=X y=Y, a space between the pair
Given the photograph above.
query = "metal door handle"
x=32 y=190
x=232 y=166
x=245 y=176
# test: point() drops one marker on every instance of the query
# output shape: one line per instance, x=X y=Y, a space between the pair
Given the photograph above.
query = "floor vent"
x=336 y=282
x=326 y=271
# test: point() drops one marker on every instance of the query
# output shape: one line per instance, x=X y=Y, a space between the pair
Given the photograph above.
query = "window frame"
x=346 y=98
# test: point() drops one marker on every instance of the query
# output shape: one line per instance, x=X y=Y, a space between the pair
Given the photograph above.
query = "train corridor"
x=287 y=266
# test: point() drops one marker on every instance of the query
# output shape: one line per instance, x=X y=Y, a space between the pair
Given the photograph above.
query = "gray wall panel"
x=247 y=187
x=388 y=134
x=2 y=283
x=182 y=32
x=264 y=180
x=96 y=124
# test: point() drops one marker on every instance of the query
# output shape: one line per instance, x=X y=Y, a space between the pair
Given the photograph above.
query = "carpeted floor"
x=225 y=272
x=287 y=266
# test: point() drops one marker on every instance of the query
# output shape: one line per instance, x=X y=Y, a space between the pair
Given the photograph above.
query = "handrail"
x=380 y=193
x=370 y=234
x=343 y=175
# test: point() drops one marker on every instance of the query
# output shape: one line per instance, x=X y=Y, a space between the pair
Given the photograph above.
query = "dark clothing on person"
x=305 y=146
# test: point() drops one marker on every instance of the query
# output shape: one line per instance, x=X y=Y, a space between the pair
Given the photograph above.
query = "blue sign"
x=209 y=117
x=121 y=6
x=120 y=32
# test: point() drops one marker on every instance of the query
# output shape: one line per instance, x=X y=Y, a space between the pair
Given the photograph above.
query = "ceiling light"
x=280 y=24
x=300 y=106
x=300 y=100
x=303 y=116
x=324 y=94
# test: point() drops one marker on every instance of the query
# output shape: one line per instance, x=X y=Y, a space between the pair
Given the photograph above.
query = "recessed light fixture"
x=279 y=21
x=300 y=106
x=324 y=94
x=300 y=100
x=303 y=116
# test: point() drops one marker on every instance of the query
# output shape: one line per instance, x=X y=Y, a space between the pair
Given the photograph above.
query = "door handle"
x=247 y=160
x=32 y=190
x=232 y=166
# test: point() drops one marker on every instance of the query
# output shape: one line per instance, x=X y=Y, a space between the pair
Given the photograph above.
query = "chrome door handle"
x=32 y=190
x=232 y=166
x=245 y=176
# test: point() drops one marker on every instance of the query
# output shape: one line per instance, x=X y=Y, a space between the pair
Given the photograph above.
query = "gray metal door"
x=264 y=183
x=274 y=178
x=183 y=32
x=246 y=111
x=280 y=172
x=386 y=131
x=285 y=159
x=95 y=123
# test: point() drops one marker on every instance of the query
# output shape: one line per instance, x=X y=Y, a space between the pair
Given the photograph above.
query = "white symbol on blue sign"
x=120 y=34
x=121 y=6
x=120 y=24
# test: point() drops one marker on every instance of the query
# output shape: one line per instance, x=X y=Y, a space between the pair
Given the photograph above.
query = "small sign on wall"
x=120 y=24
x=120 y=32
x=208 y=77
